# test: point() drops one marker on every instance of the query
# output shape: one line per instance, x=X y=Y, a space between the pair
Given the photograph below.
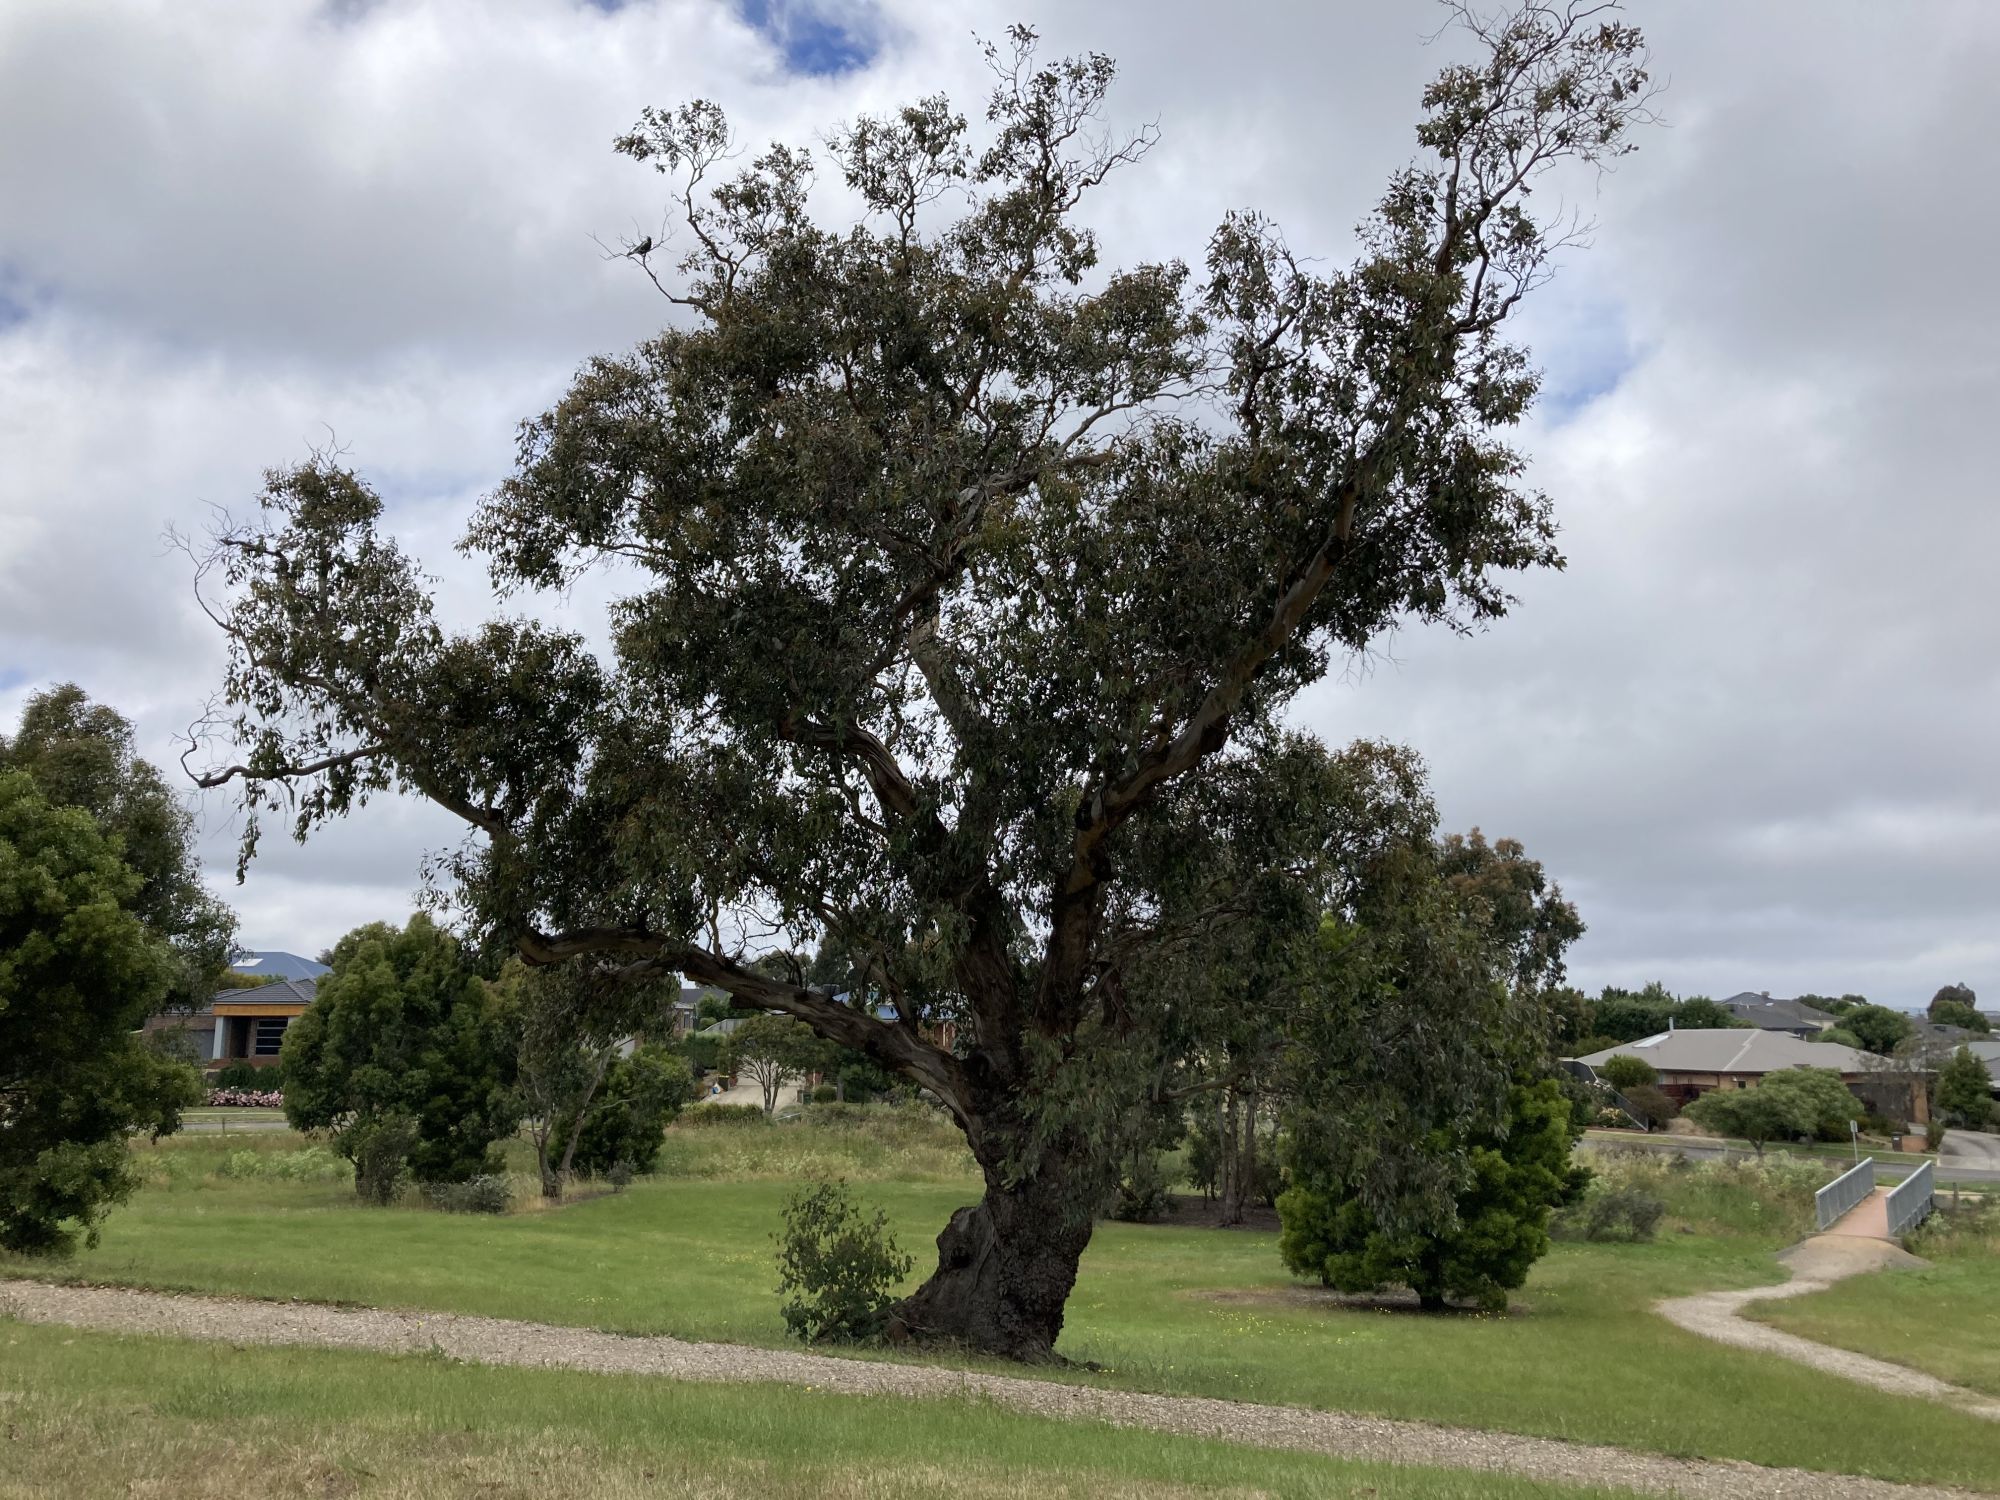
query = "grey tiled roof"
x=1734 y=1050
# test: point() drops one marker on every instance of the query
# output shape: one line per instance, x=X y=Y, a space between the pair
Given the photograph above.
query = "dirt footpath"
x=1816 y=1265
x=501 y=1342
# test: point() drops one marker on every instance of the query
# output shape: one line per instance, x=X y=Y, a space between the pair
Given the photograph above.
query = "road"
x=1950 y=1168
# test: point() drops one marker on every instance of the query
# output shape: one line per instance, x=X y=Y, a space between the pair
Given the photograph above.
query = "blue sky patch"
x=811 y=38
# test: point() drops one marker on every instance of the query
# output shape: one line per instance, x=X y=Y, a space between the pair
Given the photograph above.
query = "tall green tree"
x=1514 y=1176
x=80 y=968
x=1879 y=1028
x=969 y=582
x=405 y=1057
x=1957 y=1005
x=81 y=754
x=1964 y=1094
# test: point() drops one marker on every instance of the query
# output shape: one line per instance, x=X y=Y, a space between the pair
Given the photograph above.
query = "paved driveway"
x=1970 y=1148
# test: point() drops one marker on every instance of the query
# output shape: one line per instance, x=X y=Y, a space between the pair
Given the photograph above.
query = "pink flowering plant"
x=247 y=1098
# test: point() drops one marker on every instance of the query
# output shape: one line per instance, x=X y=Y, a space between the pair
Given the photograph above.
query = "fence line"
x=1846 y=1190
x=1910 y=1200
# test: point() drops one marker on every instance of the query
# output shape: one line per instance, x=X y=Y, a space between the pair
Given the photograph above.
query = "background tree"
x=406 y=1057
x=770 y=1049
x=1957 y=1005
x=968 y=580
x=1625 y=1072
x=585 y=1107
x=80 y=754
x=1880 y=1029
x=79 y=970
x=1787 y=1105
x=625 y=1121
x=1515 y=1177
x=1965 y=1091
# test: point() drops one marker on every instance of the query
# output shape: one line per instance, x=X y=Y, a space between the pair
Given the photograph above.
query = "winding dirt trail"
x=1817 y=1264
x=540 y=1345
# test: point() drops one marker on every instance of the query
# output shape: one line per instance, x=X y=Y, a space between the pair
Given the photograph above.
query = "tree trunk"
x=1006 y=1265
x=1235 y=1189
x=1247 y=1177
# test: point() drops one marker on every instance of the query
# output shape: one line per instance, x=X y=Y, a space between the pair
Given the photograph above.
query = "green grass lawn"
x=1943 y=1318
x=1163 y=1308
x=97 y=1414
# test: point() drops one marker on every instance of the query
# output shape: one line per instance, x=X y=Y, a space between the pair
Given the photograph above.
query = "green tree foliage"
x=1879 y=1028
x=403 y=1046
x=970 y=583
x=80 y=754
x=1948 y=1009
x=625 y=1121
x=1839 y=1035
x=1955 y=997
x=1964 y=1095
x=80 y=968
x=1786 y=1105
x=1626 y=1072
x=1699 y=1013
x=771 y=1049
x=1513 y=1179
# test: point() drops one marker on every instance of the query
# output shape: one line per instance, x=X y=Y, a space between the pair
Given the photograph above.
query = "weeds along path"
x=501 y=1342
x=1816 y=1265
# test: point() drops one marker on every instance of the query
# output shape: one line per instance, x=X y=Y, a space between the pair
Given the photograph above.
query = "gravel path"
x=497 y=1341
x=1816 y=1265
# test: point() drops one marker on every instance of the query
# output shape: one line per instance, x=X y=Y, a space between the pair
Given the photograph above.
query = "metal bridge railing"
x=1846 y=1190
x=1910 y=1199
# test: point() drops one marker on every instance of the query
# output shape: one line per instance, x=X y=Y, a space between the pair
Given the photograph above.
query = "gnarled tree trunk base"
x=1005 y=1269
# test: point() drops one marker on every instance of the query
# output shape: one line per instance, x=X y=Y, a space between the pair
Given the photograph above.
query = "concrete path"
x=540 y=1345
x=1859 y=1243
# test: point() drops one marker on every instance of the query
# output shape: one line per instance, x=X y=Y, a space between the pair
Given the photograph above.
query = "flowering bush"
x=247 y=1098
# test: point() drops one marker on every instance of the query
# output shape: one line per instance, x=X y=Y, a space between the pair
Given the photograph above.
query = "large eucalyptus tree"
x=965 y=583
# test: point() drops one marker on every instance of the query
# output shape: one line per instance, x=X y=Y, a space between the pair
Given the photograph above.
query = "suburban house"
x=248 y=1024
x=1696 y=1060
x=1790 y=1016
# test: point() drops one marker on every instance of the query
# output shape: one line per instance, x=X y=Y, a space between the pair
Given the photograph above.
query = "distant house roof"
x=1777 y=1015
x=1734 y=1050
x=723 y=1027
x=280 y=965
x=287 y=996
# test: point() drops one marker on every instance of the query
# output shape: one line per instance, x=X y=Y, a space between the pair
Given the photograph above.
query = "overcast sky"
x=1752 y=728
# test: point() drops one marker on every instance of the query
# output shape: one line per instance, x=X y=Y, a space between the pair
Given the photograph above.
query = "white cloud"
x=1750 y=727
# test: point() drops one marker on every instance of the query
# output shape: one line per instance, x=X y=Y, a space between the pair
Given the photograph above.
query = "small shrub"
x=825 y=1093
x=1626 y=1073
x=1653 y=1102
x=837 y=1268
x=1933 y=1135
x=724 y=1114
x=243 y=1075
x=380 y=1151
x=1629 y=1214
x=1142 y=1194
x=488 y=1193
x=619 y=1176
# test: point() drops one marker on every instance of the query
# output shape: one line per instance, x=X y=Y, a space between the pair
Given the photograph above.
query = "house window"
x=268 y=1035
x=1743 y=1083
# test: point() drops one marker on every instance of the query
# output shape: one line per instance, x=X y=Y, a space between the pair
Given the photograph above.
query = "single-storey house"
x=248 y=1024
x=1693 y=1061
x=1789 y=1016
